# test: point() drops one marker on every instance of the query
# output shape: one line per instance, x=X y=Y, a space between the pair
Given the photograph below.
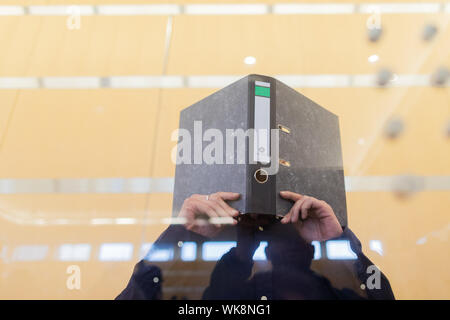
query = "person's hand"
x=199 y=208
x=313 y=218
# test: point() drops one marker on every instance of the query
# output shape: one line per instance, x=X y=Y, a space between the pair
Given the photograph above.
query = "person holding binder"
x=289 y=251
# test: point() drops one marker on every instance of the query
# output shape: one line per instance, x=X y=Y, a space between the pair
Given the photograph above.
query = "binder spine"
x=261 y=186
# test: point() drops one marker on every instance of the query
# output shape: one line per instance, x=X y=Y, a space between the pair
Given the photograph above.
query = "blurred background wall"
x=90 y=92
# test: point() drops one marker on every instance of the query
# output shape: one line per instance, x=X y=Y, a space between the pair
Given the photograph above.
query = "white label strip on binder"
x=261 y=144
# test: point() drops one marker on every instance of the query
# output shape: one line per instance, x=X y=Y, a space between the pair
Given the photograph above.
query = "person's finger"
x=290 y=195
x=286 y=218
x=296 y=209
x=229 y=210
x=305 y=207
x=228 y=195
x=212 y=204
x=205 y=207
x=220 y=197
x=320 y=204
x=199 y=196
x=321 y=208
x=212 y=210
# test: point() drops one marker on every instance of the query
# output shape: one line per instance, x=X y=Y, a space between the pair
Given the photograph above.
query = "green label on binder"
x=262 y=91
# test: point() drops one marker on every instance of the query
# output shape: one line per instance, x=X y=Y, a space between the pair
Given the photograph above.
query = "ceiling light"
x=373 y=58
x=250 y=60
